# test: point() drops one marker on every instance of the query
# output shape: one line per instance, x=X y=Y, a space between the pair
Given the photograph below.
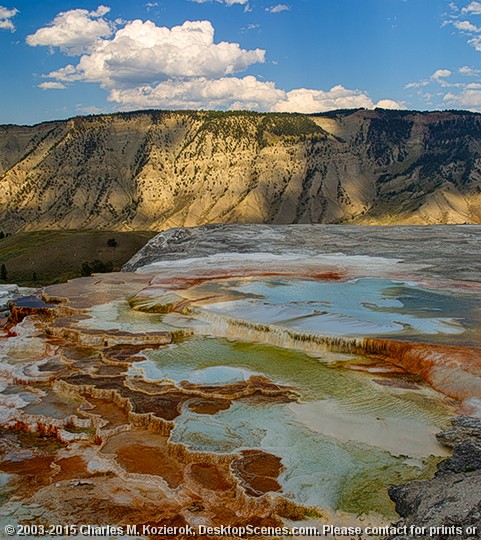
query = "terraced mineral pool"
x=358 y=426
x=342 y=444
x=118 y=315
x=359 y=307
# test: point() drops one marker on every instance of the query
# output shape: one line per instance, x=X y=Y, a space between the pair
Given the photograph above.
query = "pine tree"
x=86 y=269
x=3 y=273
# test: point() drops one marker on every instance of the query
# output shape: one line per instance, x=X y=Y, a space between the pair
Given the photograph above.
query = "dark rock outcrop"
x=449 y=505
x=465 y=429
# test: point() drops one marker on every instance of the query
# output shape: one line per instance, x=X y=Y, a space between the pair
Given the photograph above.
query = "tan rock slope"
x=157 y=169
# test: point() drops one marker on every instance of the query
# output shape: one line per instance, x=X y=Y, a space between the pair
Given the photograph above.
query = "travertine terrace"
x=252 y=375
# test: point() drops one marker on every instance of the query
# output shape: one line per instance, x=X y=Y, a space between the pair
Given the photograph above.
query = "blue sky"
x=61 y=58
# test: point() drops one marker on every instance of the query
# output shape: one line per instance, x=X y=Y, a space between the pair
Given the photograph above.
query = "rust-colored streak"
x=18 y=313
x=115 y=416
x=29 y=467
x=179 y=283
x=140 y=459
x=126 y=354
x=165 y=401
x=258 y=472
x=93 y=413
x=163 y=405
x=71 y=468
x=32 y=474
x=41 y=428
x=209 y=477
x=450 y=369
x=110 y=371
x=211 y=406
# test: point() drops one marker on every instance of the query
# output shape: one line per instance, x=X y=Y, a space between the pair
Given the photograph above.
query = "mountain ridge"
x=160 y=169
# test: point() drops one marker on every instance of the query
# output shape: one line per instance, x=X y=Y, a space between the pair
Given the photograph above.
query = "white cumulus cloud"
x=469 y=98
x=243 y=93
x=52 y=85
x=6 y=16
x=305 y=100
x=466 y=26
x=473 y=8
x=476 y=43
x=142 y=65
x=143 y=53
x=469 y=71
x=390 y=104
x=278 y=8
x=418 y=84
x=309 y=101
x=469 y=25
x=441 y=74
x=74 y=32
x=226 y=2
x=202 y=93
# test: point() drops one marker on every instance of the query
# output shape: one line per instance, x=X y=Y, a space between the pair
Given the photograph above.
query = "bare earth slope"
x=156 y=169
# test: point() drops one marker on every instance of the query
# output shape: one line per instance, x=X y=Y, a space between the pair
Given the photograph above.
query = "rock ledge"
x=451 y=501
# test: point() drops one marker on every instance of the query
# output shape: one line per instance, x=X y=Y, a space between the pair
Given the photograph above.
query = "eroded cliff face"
x=155 y=169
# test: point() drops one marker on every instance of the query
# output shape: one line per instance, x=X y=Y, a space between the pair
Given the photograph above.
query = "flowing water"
x=360 y=307
x=328 y=390
x=358 y=425
x=346 y=434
